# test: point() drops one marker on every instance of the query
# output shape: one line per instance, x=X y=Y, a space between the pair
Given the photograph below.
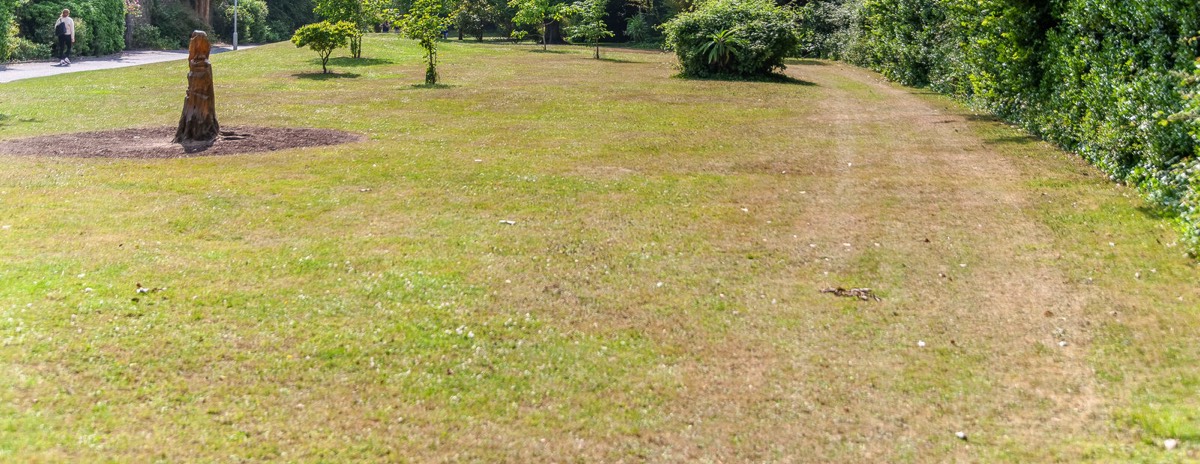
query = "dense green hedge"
x=6 y=32
x=285 y=16
x=252 y=22
x=99 y=24
x=1189 y=203
x=1098 y=77
x=175 y=23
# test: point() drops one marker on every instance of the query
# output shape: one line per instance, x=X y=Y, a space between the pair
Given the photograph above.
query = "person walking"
x=64 y=28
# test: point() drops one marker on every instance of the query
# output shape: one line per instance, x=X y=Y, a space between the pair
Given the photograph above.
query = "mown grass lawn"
x=656 y=296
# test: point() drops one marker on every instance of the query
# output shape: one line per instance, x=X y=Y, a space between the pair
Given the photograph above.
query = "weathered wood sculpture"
x=199 y=120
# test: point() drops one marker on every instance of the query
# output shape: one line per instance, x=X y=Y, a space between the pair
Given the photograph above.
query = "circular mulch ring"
x=155 y=142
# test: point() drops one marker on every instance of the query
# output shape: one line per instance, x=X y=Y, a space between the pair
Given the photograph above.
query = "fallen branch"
x=864 y=294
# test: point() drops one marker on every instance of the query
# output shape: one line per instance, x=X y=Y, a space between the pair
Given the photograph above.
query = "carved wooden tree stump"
x=199 y=120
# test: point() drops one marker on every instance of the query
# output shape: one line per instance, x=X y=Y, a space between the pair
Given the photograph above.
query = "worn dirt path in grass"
x=906 y=200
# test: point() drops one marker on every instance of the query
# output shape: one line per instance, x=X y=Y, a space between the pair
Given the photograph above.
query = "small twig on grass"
x=864 y=294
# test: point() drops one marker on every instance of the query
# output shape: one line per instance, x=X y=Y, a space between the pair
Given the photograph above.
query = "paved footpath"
x=16 y=72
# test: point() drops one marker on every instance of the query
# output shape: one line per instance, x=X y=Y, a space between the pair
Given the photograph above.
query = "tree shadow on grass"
x=633 y=48
x=8 y=120
x=782 y=79
x=496 y=41
x=1156 y=213
x=619 y=60
x=556 y=52
x=325 y=76
x=806 y=62
x=192 y=148
x=427 y=86
x=1024 y=139
x=984 y=118
x=771 y=78
x=348 y=62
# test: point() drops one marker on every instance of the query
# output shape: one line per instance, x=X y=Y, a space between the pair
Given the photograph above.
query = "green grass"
x=657 y=298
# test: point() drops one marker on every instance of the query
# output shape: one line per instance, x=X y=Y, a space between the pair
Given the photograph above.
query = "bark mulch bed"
x=156 y=142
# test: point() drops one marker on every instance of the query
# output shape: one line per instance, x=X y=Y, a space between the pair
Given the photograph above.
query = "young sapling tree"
x=424 y=23
x=363 y=14
x=472 y=17
x=589 y=24
x=538 y=13
x=324 y=37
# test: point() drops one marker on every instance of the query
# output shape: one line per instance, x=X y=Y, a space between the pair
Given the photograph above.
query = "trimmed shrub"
x=106 y=24
x=146 y=36
x=732 y=38
x=24 y=50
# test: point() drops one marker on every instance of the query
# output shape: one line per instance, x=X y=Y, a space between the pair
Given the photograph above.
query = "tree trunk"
x=198 y=123
x=128 y=31
x=431 y=71
x=203 y=10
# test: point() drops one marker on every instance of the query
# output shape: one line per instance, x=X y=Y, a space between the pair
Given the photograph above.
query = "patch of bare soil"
x=155 y=142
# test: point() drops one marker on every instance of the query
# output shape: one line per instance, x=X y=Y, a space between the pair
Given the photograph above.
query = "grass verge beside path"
x=656 y=297
x=1142 y=299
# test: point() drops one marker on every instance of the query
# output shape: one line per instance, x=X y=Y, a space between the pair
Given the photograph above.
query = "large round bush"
x=735 y=38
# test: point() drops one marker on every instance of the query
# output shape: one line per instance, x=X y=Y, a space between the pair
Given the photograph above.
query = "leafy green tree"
x=324 y=37
x=424 y=23
x=363 y=14
x=472 y=16
x=589 y=23
x=539 y=13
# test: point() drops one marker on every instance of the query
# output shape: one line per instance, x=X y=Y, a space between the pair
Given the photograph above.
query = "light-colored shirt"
x=70 y=25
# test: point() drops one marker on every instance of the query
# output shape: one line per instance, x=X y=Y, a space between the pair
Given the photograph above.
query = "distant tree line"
x=108 y=26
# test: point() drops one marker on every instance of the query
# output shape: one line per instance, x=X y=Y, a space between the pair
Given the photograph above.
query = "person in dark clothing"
x=64 y=29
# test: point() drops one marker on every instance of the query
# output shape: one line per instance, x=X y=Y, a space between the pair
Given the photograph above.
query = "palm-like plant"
x=722 y=47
